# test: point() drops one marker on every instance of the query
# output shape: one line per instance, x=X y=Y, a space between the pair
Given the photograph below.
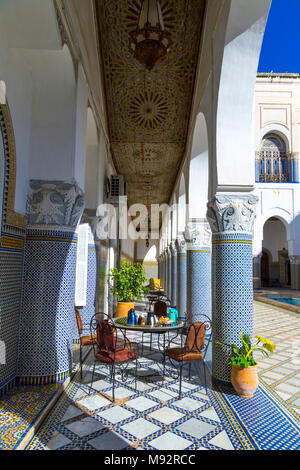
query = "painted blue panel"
x=198 y=284
x=48 y=319
x=181 y=284
x=232 y=291
x=174 y=281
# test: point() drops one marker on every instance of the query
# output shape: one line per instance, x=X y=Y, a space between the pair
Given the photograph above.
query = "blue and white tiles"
x=181 y=277
x=48 y=321
x=198 y=268
x=231 y=218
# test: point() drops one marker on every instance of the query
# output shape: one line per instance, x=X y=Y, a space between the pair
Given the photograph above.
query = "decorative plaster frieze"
x=197 y=234
x=232 y=213
x=295 y=259
x=54 y=203
x=180 y=244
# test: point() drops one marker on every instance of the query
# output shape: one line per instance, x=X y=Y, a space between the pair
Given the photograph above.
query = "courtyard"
x=153 y=418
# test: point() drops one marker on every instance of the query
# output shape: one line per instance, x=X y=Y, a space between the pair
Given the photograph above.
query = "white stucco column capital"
x=180 y=243
x=54 y=203
x=172 y=248
x=232 y=213
x=197 y=235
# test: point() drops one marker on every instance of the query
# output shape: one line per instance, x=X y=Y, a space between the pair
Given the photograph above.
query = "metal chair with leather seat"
x=193 y=347
x=112 y=348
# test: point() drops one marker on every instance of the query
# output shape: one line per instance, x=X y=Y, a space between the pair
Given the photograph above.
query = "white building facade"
x=276 y=246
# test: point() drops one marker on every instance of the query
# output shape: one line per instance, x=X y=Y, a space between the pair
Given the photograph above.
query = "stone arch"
x=174 y=217
x=281 y=215
x=234 y=146
x=91 y=165
x=182 y=205
x=8 y=167
x=278 y=129
x=198 y=171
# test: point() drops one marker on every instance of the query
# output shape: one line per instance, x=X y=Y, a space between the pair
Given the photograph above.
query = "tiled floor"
x=281 y=373
x=153 y=417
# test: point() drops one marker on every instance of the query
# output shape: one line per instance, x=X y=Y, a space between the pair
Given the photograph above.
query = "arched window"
x=273 y=160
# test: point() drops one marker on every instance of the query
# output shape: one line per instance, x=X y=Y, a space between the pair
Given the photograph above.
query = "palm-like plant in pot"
x=128 y=285
x=244 y=377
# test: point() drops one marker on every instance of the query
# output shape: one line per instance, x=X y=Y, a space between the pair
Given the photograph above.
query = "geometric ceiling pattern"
x=149 y=111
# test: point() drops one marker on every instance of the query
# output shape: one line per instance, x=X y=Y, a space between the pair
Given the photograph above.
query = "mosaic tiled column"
x=181 y=276
x=158 y=259
x=165 y=260
x=48 y=320
x=231 y=219
x=198 y=236
x=169 y=272
x=173 y=274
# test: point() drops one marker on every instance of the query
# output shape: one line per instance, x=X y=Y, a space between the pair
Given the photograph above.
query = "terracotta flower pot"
x=123 y=309
x=244 y=380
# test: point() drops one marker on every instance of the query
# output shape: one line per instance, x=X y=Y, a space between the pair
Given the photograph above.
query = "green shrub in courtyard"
x=128 y=281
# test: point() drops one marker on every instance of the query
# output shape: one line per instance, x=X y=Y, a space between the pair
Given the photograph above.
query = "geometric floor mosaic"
x=280 y=374
x=24 y=406
x=154 y=418
x=20 y=409
x=151 y=418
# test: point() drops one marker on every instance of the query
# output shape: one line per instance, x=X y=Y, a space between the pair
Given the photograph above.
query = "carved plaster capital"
x=232 y=213
x=54 y=203
x=197 y=234
x=180 y=244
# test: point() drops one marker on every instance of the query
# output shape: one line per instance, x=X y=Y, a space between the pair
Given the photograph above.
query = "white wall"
x=198 y=181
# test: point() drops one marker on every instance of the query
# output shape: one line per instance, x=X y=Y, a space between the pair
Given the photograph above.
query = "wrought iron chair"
x=193 y=347
x=84 y=340
x=112 y=348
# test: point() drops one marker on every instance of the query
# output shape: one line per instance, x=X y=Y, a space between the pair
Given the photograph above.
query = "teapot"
x=150 y=319
x=173 y=314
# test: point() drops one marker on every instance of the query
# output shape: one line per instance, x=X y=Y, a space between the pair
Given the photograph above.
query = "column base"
x=51 y=379
x=221 y=383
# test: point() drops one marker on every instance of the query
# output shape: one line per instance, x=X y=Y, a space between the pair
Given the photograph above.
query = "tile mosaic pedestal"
x=48 y=321
x=198 y=267
x=231 y=218
x=181 y=277
x=173 y=276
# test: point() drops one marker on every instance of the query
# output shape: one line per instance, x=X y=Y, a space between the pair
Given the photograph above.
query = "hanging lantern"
x=149 y=41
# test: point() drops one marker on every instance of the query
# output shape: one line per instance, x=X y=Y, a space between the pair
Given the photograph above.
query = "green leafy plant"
x=128 y=281
x=243 y=356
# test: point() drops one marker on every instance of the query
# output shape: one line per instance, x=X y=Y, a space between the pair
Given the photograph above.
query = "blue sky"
x=281 y=46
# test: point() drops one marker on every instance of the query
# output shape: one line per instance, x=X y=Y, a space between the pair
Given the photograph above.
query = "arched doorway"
x=275 y=267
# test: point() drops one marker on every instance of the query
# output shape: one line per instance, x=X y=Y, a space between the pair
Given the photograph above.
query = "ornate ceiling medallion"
x=148 y=110
x=148 y=113
x=149 y=41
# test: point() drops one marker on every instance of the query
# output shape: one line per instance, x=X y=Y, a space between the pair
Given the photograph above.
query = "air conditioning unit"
x=116 y=188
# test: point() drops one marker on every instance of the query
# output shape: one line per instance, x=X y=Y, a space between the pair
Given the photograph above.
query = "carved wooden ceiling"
x=149 y=111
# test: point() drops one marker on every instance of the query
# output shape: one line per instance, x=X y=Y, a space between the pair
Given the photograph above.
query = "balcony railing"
x=274 y=166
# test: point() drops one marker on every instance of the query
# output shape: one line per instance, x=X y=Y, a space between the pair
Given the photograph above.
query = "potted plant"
x=244 y=377
x=128 y=285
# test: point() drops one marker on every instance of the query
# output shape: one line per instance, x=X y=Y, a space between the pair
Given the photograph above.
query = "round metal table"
x=121 y=323
x=156 y=329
